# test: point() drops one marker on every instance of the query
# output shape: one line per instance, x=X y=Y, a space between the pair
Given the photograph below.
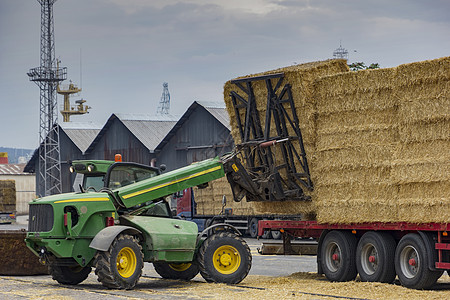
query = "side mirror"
x=162 y=167
x=224 y=201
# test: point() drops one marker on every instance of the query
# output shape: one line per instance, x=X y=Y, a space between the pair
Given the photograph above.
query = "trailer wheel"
x=276 y=234
x=224 y=257
x=69 y=275
x=338 y=256
x=253 y=228
x=121 y=266
x=375 y=257
x=412 y=264
x=183 y=271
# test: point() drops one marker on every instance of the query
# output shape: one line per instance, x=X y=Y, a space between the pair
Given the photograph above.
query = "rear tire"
x=412 y=263
x=375 y=257
x=224 y=258
x=121 y=266
x=338 y=252
x=69 y=275
x=183 y=271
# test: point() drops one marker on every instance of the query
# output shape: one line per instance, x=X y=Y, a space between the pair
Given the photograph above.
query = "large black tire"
x=375 y=257
x=121 y=266
x=183 y=271
x=338 y=252
x=224 y=257
x=69 y=275
x=412 y=263
x=253 y=228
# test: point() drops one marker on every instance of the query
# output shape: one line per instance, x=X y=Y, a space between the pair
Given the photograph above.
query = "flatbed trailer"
x=417 y=253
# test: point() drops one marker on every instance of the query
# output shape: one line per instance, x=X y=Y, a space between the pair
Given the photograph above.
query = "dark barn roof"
x=216 y=109
x=140 y=125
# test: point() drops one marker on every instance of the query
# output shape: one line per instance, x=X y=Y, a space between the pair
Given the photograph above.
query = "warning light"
x=118 y=158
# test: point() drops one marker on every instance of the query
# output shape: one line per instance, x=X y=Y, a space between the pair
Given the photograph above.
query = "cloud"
x=130 y=47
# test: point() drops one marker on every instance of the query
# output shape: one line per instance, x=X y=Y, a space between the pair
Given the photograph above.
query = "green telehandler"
x=120 y=219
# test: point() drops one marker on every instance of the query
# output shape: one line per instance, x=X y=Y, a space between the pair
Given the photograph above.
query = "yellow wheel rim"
x=226 y=259
x=126 y=262
x=180 y=267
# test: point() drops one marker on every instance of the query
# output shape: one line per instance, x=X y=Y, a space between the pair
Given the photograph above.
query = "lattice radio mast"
x=164 y=103
x=47 y=76
x=340 y=52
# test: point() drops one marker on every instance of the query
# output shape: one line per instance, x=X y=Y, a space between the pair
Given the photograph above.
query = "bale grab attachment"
x=274 y=165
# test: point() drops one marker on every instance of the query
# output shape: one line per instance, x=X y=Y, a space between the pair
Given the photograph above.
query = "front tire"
x=69 y=275
x=121 y=266
x=224 y=258
x=338 y=252
x=375 y=257
x=183 y=271
x=412 y=263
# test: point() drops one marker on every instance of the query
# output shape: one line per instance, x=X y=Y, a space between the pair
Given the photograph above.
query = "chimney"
x=4 y=158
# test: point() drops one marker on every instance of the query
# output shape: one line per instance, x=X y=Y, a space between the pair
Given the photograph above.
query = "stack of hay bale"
x=7 y=196
x=209 y=199
x=357 y=132
x=377 y=141
x=421 y=165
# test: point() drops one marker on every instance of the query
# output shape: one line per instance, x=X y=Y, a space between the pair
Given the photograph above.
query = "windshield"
x=122 y=175
x=97 y=182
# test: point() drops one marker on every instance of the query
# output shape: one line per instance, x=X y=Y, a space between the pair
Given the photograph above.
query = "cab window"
x=123 y=174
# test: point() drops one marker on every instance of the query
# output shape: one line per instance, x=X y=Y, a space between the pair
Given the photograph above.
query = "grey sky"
x=129 y=48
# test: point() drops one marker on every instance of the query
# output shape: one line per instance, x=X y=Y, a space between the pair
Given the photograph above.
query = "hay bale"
x=344 y=211
x=424 y=210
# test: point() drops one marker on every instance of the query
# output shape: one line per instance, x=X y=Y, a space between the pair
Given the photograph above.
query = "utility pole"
x=47 y=76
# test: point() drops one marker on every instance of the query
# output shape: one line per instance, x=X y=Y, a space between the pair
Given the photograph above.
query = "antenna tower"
x=47 y=76
x=164 y=103
x=340 y=52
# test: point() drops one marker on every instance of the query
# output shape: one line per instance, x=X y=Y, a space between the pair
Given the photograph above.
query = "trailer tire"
x=69 y=275
x=375 y=257
x=253 y=228
x=338 y=252
x=276 y=234
x=121 y=266
x=412 y=263
x=224 y=258
x=183 y=271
